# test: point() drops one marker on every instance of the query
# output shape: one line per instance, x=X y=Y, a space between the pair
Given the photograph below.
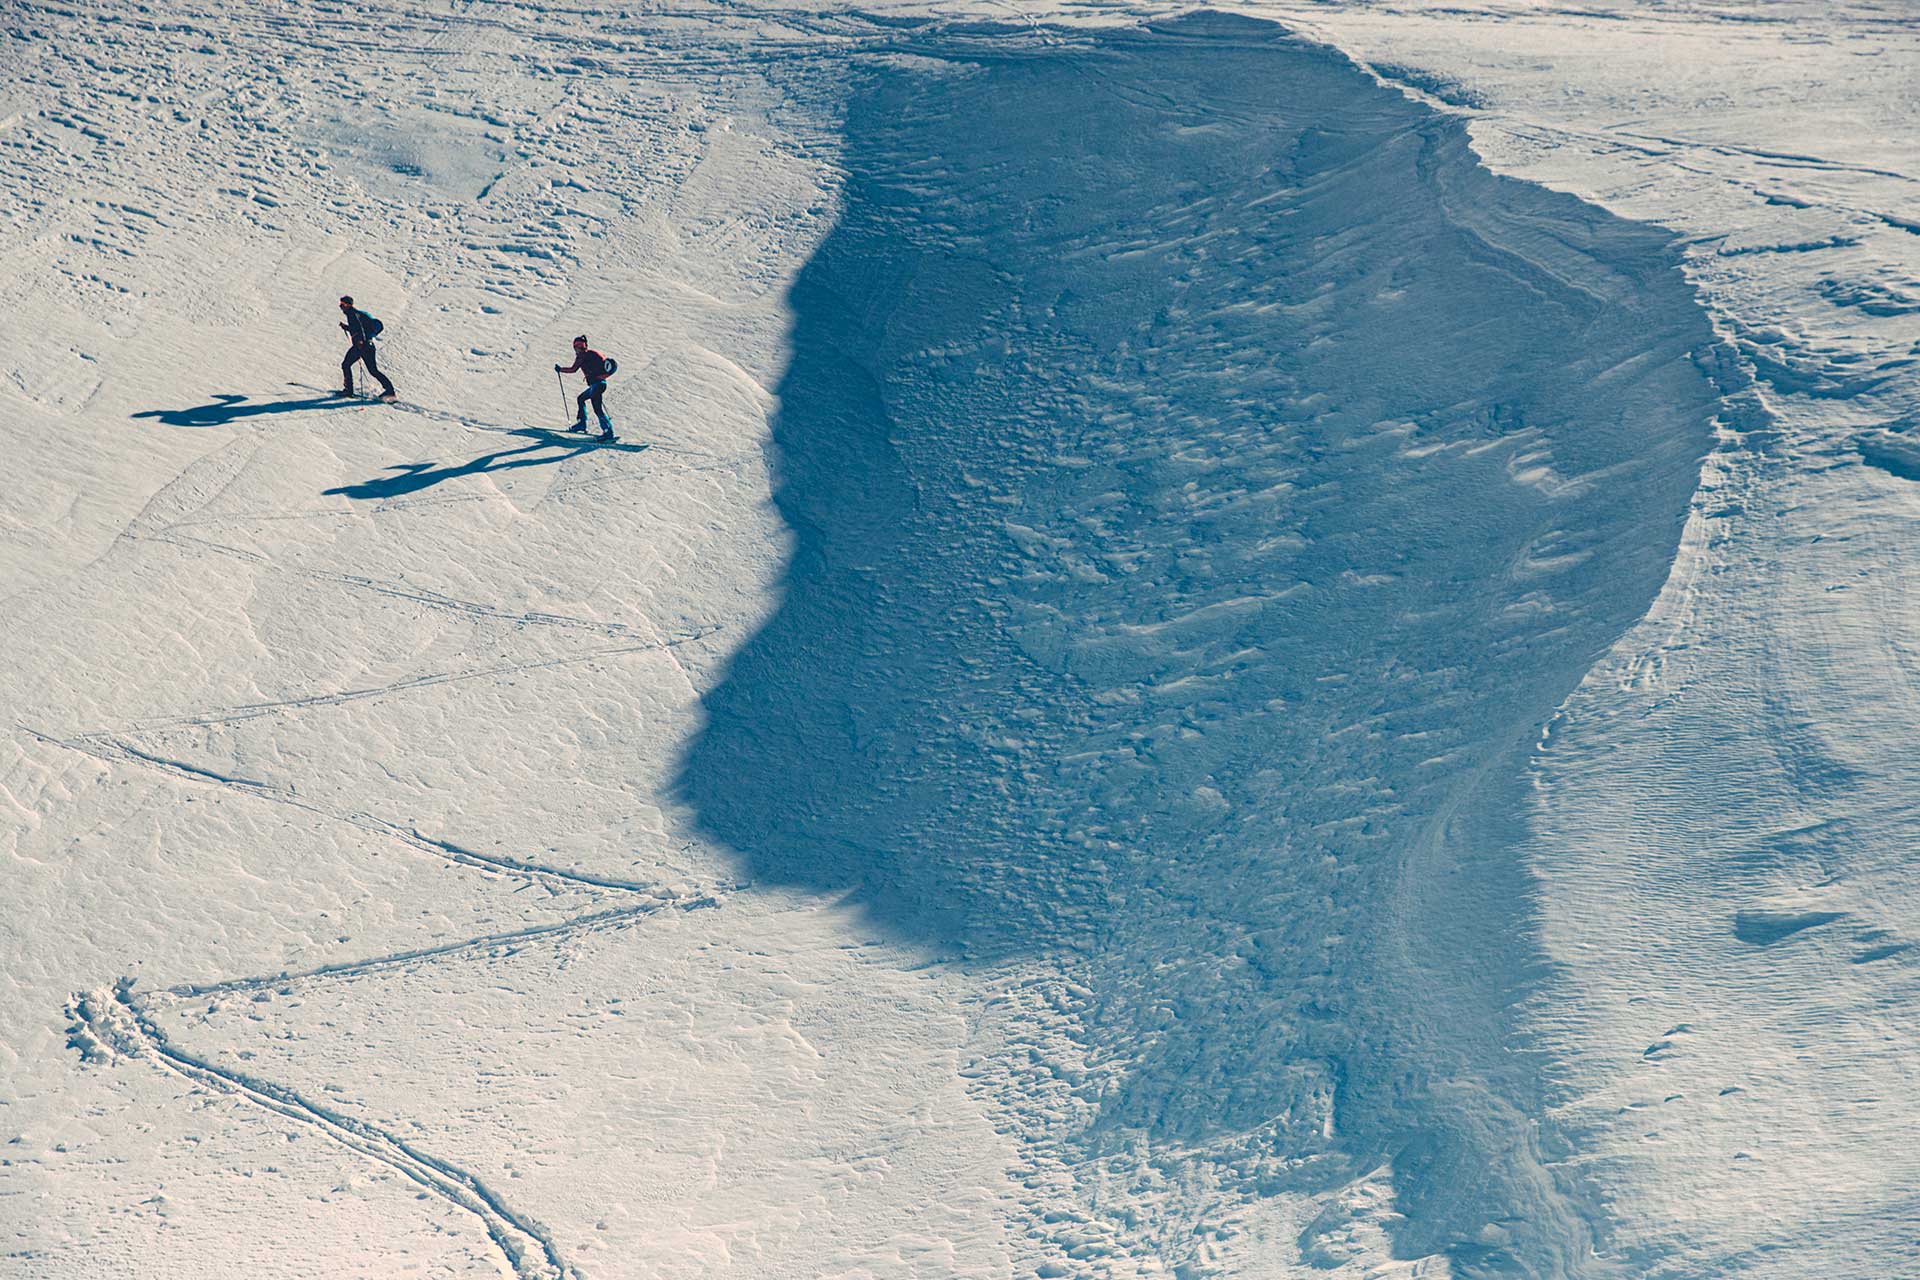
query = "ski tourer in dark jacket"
x=361 y=330
x=592 y=366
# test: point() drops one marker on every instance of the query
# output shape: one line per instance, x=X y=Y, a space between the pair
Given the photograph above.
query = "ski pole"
x=560 y=380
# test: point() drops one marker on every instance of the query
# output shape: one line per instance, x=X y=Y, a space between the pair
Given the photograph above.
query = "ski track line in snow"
x=504 y=492
x=1770 y=157
x=111 y=750
x=594 y=922
x=114 y=1020
x=423 y=596
x=254 y=710
x=1660 y=147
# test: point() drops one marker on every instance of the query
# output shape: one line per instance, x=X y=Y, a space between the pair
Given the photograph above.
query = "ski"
x=582 y=437
x=335 y=393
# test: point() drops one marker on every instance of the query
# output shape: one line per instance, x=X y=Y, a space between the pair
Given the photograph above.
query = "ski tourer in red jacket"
x=594 y=367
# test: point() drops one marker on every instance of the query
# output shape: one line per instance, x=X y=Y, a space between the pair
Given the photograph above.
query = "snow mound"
x=1207 y=481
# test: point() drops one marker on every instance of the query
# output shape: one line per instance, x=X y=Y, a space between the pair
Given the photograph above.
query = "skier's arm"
x=572 y=368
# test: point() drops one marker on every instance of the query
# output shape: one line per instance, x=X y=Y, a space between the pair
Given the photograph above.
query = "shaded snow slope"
x=1208 y=480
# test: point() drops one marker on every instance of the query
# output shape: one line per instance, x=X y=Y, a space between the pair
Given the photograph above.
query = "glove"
x=558 y=369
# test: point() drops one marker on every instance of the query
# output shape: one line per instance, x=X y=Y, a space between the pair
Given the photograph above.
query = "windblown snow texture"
x=1208 y=479
x=1173 y=848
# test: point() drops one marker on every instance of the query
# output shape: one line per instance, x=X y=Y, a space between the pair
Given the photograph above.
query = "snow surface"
x=1214 y=648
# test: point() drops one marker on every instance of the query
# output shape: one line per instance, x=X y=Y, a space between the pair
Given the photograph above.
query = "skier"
x=362 y=329
x=594 y=367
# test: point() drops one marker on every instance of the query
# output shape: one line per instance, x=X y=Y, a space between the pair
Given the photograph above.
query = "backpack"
x=609 y=365
x=373 y=326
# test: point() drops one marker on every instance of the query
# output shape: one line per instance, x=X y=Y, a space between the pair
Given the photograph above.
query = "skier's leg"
x=346 y=370
x=373 y=367
x=580 y=402
x=597 y=390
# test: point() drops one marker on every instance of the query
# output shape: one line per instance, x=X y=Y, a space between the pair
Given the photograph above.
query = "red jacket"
x=590 y=365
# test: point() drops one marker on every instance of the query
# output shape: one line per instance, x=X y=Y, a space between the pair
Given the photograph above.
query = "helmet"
x=580 y=341
x=346 y=300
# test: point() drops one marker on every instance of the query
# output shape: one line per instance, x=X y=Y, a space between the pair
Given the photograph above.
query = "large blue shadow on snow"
x=1207 y=480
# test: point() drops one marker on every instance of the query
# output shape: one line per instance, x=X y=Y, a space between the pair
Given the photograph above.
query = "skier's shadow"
x=547 y=448
x=228 y=408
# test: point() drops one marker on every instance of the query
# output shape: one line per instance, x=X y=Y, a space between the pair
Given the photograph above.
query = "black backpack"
x=371 y=325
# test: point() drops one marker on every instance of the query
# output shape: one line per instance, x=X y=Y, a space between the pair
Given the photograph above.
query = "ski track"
x=110 y=751
x=114 y=1020
x=432 y=600
x=250 y=711
x=117 y=1018
x=594 y=922
x=394 y=506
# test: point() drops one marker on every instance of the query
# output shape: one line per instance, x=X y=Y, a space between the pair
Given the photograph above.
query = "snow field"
x=1029 y=761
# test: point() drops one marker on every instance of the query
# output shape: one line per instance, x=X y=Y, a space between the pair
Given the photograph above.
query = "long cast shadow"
x=412 y=477
x=223 y=409
x=1206 y=480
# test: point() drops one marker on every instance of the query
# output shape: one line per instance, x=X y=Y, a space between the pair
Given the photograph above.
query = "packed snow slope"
x=1208 y=479
x=1154 y=688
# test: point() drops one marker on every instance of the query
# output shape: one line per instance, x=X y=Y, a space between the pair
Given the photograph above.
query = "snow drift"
x=1204 y=483
x=1207 y=481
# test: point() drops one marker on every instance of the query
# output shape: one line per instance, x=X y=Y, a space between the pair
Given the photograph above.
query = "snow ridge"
x=1208 y=479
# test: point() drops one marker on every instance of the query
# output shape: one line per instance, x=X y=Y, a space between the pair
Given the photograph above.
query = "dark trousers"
x=363 y=352
x=593 y=393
